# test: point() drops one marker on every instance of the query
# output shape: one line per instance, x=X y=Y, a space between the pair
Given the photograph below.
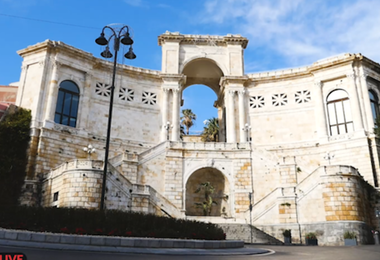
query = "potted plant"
x=311 y=239
x=287 y=236
x=349 y=238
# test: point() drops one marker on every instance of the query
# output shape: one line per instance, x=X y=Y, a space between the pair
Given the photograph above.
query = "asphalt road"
x=369 y=252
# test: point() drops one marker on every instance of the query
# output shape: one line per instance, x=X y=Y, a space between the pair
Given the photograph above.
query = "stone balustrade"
x=211 y=146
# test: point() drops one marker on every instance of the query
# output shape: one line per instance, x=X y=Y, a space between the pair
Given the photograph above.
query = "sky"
x=281 y=33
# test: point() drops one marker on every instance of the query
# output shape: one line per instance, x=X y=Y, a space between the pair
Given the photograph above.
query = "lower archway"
x=220 y=195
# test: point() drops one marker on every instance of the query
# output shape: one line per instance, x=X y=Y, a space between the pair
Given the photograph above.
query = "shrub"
x=110 y=222
x=311 y=235
x=349 y=235
x=287 y=233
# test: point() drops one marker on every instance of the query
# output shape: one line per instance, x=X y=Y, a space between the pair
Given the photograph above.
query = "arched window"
x=339 y=111
x=374 y=105
x=67 y=104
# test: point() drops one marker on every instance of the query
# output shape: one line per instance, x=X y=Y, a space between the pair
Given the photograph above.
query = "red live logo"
x=12 y=256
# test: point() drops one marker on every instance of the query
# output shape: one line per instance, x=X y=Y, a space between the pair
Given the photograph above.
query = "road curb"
x=134 y=250
x=115 y=242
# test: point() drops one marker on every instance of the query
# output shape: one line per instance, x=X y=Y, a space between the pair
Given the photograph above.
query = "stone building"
x=309 y=161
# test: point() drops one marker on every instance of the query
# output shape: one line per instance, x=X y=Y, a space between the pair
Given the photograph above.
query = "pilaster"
x=320 y=112
x=165 y=103
x=52 y=93
x=354 y=99
x=85 y=101
x=243 y=137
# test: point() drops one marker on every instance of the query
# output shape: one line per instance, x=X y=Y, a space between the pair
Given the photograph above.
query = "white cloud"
x=301 y=31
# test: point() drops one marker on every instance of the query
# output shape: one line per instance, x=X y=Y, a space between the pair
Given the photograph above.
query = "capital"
x=174 y=79
x=318 y=83
x=241 y=92
x=364 y=76
x=231 y=92
x=175 y=90
x=165 y=89
x=88 y=75
x=57 y=64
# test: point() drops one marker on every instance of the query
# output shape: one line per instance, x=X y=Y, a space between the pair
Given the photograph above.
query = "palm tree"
x=206 y=205
x=211 y=130
x=188 y=119
x=376 y=129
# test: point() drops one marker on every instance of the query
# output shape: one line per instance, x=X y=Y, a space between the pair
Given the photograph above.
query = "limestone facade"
x=306 y=124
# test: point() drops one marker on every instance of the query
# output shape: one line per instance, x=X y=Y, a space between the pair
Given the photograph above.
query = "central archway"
x=220 y=195
x=204 y=71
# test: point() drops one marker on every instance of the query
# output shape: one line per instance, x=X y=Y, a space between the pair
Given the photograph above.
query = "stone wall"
x=73 y=184
x=328 y=233
x=78 y=183
x=333 y=199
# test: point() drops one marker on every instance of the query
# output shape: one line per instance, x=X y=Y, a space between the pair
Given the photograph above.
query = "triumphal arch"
x=309 y=161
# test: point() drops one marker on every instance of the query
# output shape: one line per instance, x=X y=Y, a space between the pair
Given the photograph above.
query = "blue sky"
x=281 y=33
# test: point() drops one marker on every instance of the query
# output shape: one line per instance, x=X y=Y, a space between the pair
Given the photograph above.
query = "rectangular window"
x=55 y=196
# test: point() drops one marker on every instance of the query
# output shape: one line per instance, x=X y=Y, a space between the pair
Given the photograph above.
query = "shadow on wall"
x=220 y=194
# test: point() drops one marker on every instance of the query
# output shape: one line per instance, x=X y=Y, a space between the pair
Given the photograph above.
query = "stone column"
x=165 y=102
x=320 y=113
x=243 y=133
x=52 y=94
x=173 y=82
x=231 y=132
x=354 y=101
x=221 y=125
x=175 y=119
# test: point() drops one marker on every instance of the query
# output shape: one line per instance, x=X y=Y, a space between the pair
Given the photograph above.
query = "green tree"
x=181 y=131
x=187 y=119
x=211 y=130
x=206 y=205
x=14 y=140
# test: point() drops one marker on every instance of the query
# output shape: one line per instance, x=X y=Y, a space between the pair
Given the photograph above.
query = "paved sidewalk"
x=134 y=250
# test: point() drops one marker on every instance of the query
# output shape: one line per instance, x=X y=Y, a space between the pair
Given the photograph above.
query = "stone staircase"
x=152 y=153
x=120 y=188
x=243 y=232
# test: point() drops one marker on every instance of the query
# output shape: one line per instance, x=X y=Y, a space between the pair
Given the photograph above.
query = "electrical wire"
x=47 y=21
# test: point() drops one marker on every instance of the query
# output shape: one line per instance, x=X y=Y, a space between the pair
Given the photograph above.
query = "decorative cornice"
x=202 y=39
x=93 y=62
x=306 y=71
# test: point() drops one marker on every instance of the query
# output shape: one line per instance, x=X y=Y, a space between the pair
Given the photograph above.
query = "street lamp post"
x=250 y=213
x=119 y=36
